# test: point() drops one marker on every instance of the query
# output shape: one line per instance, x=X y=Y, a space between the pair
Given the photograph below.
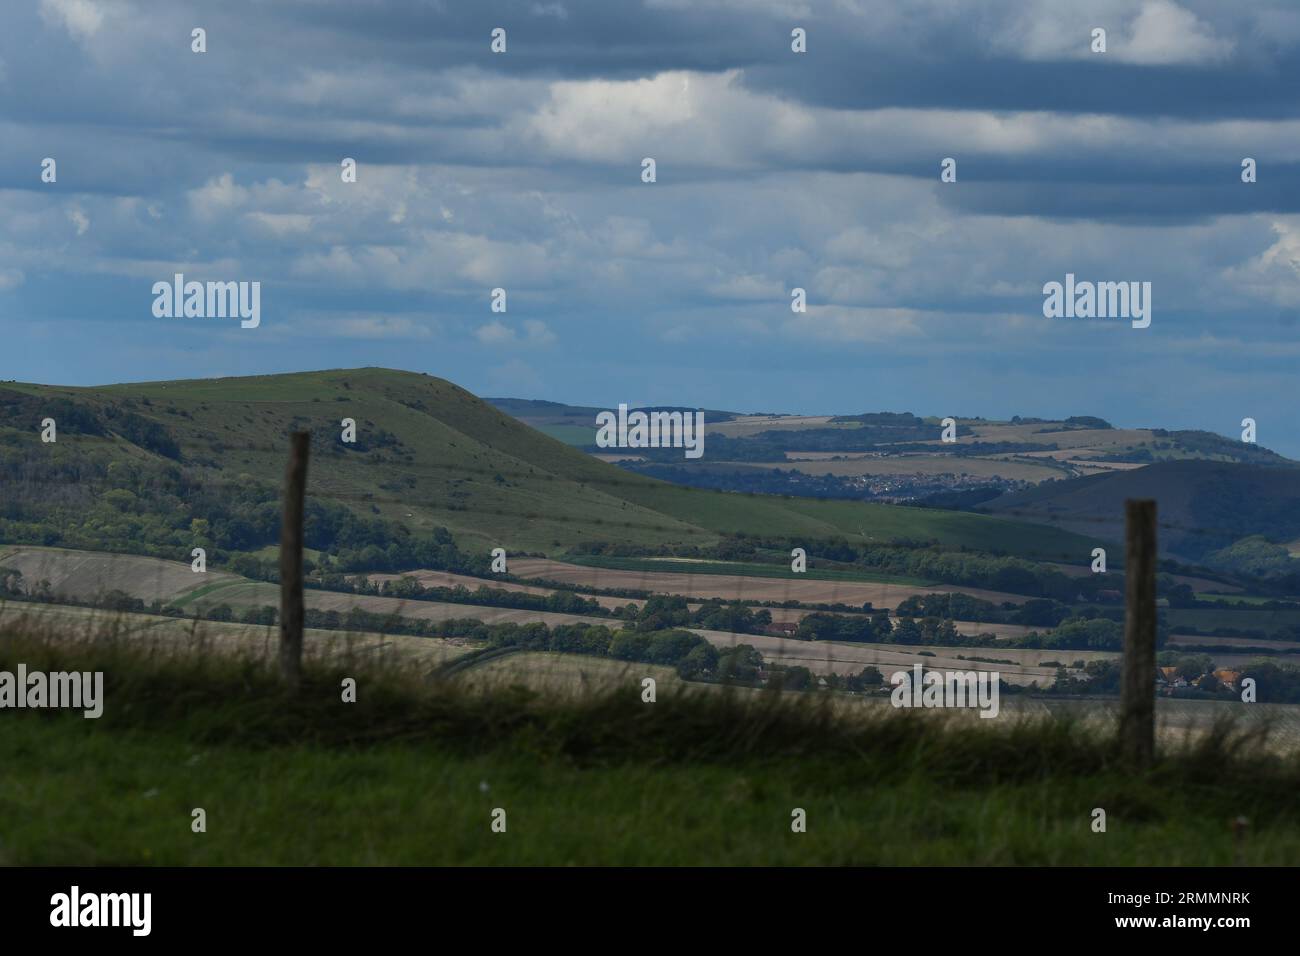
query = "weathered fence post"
x=1137 y=727
x=291 y=614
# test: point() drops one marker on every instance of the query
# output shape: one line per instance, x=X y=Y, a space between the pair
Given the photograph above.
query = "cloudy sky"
x=775 y=170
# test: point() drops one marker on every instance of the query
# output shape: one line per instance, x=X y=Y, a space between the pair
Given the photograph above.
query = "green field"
x=862 y=522
x=412 y=772
x=575 y=435
x=97 y=800
x=745 y=569
x=1238 y=598
x=1277 y=624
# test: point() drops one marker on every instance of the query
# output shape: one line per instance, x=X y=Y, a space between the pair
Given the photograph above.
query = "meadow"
x=412 y=772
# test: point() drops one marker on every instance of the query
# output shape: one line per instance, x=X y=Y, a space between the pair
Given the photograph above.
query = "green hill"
x=159 y=467
x=1204 y=506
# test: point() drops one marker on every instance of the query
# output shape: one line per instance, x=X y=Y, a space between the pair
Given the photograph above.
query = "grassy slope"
x=1203 y=504
x=490 y=478
x=873 y=523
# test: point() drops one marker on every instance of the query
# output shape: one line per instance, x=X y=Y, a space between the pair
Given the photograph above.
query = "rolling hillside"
x=1204 y=506
x=166 y=465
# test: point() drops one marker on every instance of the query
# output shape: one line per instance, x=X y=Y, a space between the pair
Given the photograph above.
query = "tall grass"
x=212 y=693
x=701 y=776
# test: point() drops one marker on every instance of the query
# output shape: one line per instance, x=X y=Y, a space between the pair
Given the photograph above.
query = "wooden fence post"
x=291 y=613
x=1137 y=729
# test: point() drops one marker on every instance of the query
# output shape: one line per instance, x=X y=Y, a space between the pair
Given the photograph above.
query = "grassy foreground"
x=411 y=772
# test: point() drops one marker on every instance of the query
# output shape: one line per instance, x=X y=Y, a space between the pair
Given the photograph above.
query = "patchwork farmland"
x=88 y=576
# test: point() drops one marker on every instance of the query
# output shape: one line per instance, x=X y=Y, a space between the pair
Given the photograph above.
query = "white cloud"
x=366 y=326
x=1164 y=33
x=495 y=333
x=1151 y=32
x=10 y=279
x=281 y=224
x=81 y=18
x=78 y=219
x=217 y=196
x=751 y=287
x=1273 y=275
x=535 y=333
x=714 y=122
x=835 y=323
x=538 y=333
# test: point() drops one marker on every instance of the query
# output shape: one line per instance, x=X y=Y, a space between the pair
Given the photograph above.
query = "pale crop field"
x=834 y=657
x=447 y=579
x=257 y=640
x=88 y=573
x=1178 y=722
x=740 y=587
x=84 y=574
x=746 y=426
x=555 y=673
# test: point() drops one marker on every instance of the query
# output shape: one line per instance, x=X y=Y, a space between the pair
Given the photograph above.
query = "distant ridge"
x=1204 y=505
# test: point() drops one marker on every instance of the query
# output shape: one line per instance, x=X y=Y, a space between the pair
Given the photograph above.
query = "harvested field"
x=84 y=574
x=745 y=426
x=740 y=588
x=1100 y=466
x=437 y=611
x=1180 y=720
x=446 y=579
x=220 y=636
x=780 y=615
x=552 y=673
x=826 y=657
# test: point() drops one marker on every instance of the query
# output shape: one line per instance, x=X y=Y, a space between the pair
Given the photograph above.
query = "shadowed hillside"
x=151 y=459
x=1204 y=506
